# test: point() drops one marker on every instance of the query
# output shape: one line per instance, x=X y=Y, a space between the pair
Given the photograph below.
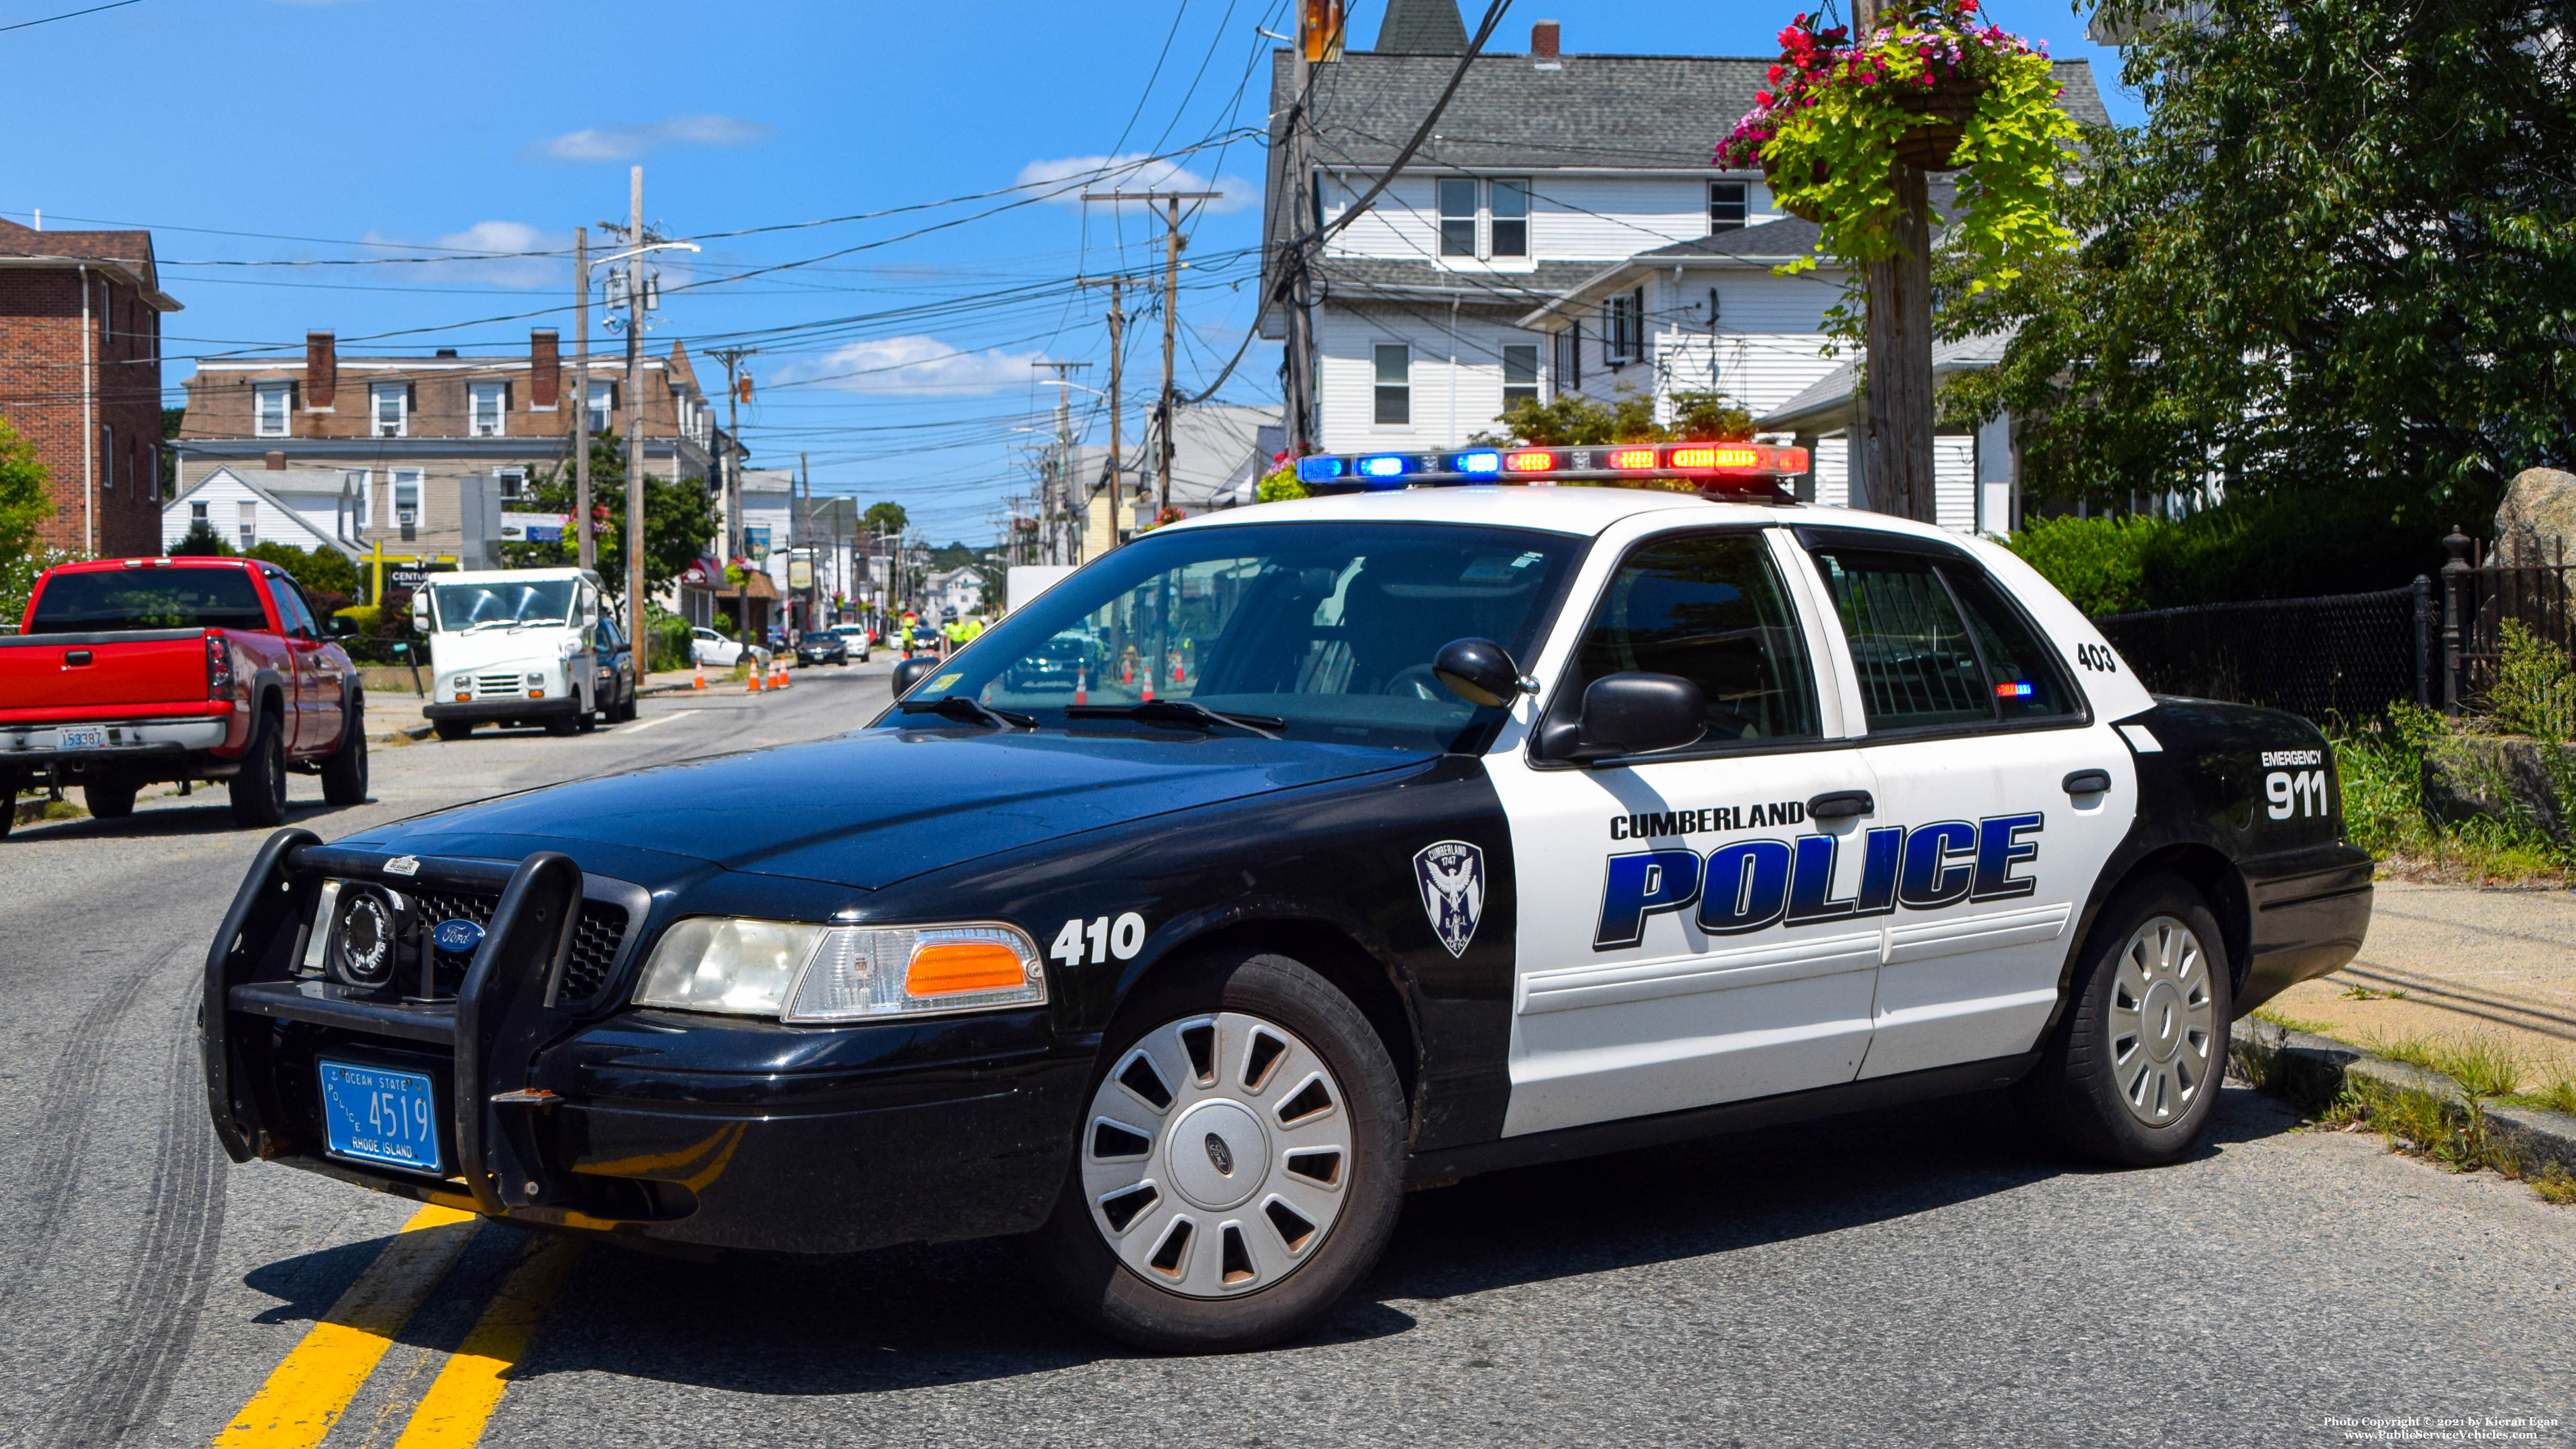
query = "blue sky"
x=305 y=142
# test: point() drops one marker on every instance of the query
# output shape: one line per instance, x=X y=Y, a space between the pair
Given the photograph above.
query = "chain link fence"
x=2346 y=655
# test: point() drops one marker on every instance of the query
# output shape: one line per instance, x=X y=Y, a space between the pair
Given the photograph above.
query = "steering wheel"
x=1417 y=682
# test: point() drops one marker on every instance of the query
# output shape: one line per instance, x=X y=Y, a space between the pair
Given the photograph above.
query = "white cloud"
x=1132 y=172
x=525 y=272
x=916 y=366
x=633 y=143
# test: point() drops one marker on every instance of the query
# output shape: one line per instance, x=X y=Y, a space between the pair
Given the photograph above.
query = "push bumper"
x=487 y=711
x=709 y=1132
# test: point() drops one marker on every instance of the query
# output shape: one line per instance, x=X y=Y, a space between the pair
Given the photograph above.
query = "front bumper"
x=485 y=711
x=714 y=1132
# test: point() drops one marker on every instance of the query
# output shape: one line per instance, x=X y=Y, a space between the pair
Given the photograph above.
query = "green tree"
x=201 y=541
x=679 y=520
x=889 y=516
x=23 y=498
x=171 y=419
x=1570 y=420
x=2336 y=266
x=325 y=572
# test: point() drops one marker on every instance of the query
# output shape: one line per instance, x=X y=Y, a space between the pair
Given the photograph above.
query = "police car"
x=1455 y=818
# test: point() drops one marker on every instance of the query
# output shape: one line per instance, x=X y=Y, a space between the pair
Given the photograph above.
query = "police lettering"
x=1750 y=885
x=1658 y=824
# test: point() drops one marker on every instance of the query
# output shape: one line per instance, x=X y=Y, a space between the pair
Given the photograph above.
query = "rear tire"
x=109 y=799
x=2130 y=1077
x=344 y=775
x=561 y=725
x=9 y=789
x=452 y=730
x=259 y=788
x=1206 y=1264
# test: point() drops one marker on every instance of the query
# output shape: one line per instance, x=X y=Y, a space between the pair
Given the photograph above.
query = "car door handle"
x=2087 y=782
x=1841 y=805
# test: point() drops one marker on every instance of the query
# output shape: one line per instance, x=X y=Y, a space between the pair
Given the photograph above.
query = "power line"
x=71 y=14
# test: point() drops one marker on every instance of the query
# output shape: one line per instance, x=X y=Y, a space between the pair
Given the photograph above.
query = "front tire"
x=109 y=799
x=1240 y=1168
x=344 y=775
x=259 y=787
x=452 y=730
x=2131 y=1075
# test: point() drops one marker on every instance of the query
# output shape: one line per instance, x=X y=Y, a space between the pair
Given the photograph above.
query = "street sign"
x=800 y=572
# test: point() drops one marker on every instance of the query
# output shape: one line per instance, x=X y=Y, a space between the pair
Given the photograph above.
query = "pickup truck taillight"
x=219 y=667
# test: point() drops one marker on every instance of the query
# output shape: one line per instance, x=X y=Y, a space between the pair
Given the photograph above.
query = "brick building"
x=80 y=379
x=431 y=450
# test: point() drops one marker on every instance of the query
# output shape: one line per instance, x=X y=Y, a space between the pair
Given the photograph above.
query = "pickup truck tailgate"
x=104 y=673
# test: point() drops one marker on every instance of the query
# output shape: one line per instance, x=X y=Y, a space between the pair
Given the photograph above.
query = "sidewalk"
x=2456 y=962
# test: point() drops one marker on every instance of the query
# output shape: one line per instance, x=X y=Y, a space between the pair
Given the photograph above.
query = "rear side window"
x=1710 y=608
x=1935 y=644
x=180 y=598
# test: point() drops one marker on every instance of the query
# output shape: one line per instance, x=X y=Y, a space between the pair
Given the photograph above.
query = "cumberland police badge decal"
x=1451 y=874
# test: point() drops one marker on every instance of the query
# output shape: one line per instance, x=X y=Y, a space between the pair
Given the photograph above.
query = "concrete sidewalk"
x=2458 y=962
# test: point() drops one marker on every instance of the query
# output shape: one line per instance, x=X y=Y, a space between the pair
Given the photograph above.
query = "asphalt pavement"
x=1916 y=1277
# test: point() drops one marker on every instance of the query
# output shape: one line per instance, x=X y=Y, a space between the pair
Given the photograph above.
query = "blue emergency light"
x=1383 y=465
x=1481 y=461
x=1757 y=470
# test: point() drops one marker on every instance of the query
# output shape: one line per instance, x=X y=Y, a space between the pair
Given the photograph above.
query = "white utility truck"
x=511 y=647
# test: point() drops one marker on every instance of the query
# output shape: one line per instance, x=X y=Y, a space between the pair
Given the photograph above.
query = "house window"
x=1394 y=384
x=406 y=500
x=1520 y=373
x=490 y=403
x=197 y=516
x=1623 y=328
x=359 y=484
x=603 y=401
x=1458 y=216
x=1569 y=360
x=246 y=523
x=514 y=484
x=1511 y=218
x=1728 y=207
x=390 y=406
x=270 y=401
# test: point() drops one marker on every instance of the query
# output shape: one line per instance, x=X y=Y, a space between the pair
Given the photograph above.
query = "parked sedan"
x=706 y=646
x=821 y=647
x=856 y=638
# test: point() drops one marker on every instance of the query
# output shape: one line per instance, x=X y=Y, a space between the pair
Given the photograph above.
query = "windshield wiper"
x=966 y=711
x=1179 y=712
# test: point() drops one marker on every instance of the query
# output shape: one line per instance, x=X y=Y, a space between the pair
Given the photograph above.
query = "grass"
x=2557 y=1095
x=2554 y=1184
x=2293 y=1023
x=50 y=810
x=2358 y=992
x=2452 y=1134
x=2483 y=1067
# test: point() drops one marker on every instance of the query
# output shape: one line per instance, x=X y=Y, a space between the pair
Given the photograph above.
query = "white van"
x=511 y=646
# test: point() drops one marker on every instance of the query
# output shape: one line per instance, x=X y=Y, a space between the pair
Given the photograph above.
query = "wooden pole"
x=586 y=546
x=1897 y=458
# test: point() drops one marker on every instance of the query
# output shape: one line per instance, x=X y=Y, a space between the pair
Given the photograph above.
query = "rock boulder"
x=2536 y=524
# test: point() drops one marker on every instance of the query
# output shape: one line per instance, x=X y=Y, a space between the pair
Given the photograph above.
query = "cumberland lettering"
x=1654 y=824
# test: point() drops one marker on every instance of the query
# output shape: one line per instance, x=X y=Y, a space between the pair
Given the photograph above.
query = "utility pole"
x=1173 y=241
x=1319 y=41
x=1117 y=406
x=1055 y=507
x=1896 y=459
x=732 y=358
x=636 y=629
x=589 y=545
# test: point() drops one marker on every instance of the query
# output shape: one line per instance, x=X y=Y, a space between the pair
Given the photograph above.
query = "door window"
x=1936 y=645
x=1710 y=608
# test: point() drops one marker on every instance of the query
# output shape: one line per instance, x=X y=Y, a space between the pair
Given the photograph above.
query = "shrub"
x=201 y=541
x=2535 y=688
x=322 y=571
x=2098 y=563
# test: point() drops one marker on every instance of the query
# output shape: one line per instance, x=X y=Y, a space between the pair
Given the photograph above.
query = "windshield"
x=469 y=606
x=1329 y=627
x=177 y=598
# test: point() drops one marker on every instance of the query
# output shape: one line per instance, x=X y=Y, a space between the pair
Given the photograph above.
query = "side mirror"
x=336 y=627
x=911 y=672
x=1637 y=713
x=1478 y=671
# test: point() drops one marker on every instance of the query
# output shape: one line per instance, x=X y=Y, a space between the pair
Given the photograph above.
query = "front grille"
x=594 y=941
x=496 y=686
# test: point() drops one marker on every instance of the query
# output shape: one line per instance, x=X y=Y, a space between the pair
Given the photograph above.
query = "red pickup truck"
x=130 y=672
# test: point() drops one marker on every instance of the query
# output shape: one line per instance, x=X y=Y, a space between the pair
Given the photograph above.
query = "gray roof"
x=1422 y=27
x=1360 y=279
x=1787 y=237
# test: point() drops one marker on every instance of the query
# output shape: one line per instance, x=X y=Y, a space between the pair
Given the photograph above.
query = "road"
x=1917 y=1277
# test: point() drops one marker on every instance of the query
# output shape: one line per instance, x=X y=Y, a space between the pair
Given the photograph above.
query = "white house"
x=952 y=591
x=306 y=507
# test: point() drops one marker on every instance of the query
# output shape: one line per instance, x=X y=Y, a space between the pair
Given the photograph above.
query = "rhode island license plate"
x=381 y=1116
x=82 y=737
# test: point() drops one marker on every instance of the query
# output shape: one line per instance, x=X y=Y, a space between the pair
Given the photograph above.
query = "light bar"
x=1755 y=468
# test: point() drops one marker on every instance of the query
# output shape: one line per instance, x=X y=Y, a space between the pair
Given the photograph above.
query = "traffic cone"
x=701 y=681
x=755 y=676
x=1081 y=685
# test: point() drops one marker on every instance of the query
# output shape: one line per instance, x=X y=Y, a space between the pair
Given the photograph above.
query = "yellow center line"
x=312 y=1387
x=452 y=1414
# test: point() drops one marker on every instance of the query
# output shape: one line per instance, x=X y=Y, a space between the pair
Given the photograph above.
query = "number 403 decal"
x=1099 y=938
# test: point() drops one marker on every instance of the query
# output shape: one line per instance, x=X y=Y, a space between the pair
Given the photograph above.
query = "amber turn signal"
x=949 y=967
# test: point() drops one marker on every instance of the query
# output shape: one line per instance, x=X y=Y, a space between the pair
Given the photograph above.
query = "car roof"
x=181 y=560
x=1572 y=509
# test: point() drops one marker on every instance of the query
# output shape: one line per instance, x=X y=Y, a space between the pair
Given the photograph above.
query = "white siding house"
x=306 y=507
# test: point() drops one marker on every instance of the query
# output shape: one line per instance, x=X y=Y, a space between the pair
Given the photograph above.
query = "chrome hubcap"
x=2163 y=1032
x=1215 y=1155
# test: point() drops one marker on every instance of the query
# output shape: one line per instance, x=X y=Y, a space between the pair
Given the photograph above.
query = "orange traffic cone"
x=755 y=676
x=778 y=674
x=1081 y=685
x=701 y=681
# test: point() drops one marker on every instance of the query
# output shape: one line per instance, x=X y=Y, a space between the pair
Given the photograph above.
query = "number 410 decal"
x=1121 y=938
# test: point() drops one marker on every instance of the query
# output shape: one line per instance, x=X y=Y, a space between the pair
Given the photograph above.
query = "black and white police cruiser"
x=1453 y=819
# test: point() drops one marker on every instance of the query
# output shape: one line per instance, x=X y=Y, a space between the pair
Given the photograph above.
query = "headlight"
x=807 y=973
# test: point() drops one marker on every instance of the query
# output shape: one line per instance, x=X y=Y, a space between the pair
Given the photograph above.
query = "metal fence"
x=2348 y=655
x=2478 y=599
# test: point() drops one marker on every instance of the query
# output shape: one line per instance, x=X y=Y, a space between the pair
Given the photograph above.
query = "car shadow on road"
x=924 y=1316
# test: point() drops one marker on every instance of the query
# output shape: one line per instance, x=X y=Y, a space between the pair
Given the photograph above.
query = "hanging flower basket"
x=1932 y=86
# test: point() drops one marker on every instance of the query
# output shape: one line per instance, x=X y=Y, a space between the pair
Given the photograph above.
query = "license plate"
x=82 y=737
x=381 y=1116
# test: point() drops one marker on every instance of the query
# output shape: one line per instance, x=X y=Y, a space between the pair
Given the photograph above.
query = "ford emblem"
x=457 y=937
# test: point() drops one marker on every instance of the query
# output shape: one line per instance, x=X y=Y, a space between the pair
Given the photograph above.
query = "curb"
x=2313 y=1071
